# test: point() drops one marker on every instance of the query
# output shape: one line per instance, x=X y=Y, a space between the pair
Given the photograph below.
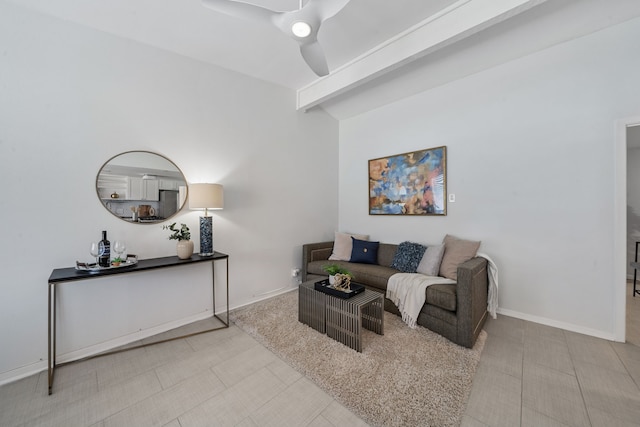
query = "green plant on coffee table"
x=333 y=269
x=182 y=234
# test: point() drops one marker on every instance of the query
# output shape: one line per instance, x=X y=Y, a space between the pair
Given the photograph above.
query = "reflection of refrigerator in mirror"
x=168 y=204
x=182 y=195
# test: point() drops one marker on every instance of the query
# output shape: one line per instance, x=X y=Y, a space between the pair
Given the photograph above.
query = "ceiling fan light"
x=301 y=29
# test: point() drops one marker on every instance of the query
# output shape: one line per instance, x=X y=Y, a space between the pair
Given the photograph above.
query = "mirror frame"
x=104 y=201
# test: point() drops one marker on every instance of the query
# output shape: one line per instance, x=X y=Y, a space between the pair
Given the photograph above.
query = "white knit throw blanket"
x=492 y=297
x=408 y=292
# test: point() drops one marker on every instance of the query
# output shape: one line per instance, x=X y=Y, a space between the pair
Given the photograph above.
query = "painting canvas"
x=409 y=184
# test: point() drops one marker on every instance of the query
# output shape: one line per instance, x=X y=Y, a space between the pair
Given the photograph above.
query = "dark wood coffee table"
x=341 y=319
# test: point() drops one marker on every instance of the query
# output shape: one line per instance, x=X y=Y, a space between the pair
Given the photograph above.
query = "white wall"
x=633 y=204
x=71 y=98
x=530 y=149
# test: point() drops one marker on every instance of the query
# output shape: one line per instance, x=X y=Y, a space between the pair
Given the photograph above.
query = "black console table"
x=635 y=265
x=71 y=274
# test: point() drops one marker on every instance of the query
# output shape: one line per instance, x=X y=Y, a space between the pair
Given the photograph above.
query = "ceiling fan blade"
x=313 y=13
x=314 y=57
x=328 y=8
x=241 y=10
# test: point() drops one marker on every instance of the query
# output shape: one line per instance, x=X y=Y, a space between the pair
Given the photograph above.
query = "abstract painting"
x=412 y=183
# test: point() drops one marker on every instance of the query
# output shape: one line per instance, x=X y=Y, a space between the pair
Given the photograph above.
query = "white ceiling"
x=363 y=26
x=261 y=51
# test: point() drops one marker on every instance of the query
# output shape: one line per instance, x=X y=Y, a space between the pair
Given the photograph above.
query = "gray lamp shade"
x=206 y=196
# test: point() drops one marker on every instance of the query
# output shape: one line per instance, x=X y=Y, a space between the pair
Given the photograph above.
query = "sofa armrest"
x=471 y=292
x=315 y=252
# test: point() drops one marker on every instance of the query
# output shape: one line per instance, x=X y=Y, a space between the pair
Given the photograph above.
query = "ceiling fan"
x=302 y=25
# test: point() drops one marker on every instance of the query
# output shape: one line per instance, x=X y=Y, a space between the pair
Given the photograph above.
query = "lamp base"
x=206 y=236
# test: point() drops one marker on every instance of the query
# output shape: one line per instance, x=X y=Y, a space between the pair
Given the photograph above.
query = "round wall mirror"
x=141 y=187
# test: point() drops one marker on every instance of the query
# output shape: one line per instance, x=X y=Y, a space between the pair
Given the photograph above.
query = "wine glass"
x=95 y=250
x=119 y=247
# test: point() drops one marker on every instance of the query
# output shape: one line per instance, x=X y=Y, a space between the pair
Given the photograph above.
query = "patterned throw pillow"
x=364 y=252
x=408 y=257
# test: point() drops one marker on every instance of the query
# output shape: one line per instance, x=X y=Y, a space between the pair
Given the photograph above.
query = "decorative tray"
x=324 y=287
x=93 y=267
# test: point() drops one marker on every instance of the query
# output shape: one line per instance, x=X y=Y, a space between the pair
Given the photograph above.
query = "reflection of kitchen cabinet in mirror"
x=141 y=187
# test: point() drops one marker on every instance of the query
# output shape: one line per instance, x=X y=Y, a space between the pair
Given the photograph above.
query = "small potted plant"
x=184 y=247
x=117 y=261
x=333 y=269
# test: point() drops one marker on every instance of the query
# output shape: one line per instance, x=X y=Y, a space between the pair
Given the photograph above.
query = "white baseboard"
x=127 y=339
x=609 y=336
x=34 y=368
x=22 y=372
x=267 y=295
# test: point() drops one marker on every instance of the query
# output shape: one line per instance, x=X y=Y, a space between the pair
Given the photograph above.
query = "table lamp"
x=206 y=196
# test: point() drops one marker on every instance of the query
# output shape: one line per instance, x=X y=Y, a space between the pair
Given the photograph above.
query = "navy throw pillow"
x=408 y=256
x=364 y=252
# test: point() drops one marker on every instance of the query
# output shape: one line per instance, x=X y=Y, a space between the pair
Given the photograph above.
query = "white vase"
x=332 y=279
x=184 y=248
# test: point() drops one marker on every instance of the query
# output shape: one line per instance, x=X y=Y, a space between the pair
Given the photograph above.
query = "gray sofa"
x=455 y=311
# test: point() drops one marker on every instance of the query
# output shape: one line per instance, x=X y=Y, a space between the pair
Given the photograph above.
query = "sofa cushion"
x=430 y=262
x=386 y=252
x=439 y=320
x=456 y=251
x=342 y=246
x=372 y=275
x=408 y=257
x=443 y=296
x=364 y=251
x=317 y=267
x=375 y=276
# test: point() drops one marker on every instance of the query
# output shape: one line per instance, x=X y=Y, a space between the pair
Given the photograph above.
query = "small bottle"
x=105 y=251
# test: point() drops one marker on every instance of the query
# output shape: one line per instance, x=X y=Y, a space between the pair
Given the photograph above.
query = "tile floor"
x=529 y=375
x=633 y=315
x=535 y=375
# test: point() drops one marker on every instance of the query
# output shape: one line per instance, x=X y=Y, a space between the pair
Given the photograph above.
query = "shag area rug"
x=406 y=377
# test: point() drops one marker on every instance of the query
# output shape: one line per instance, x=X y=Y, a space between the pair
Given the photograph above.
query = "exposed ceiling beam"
x=461 y=20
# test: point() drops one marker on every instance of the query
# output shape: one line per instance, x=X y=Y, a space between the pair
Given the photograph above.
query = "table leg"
x=635 y=272
x=51 y=341
x=213 y=278
x=311 y=308
x=373 y=316
x=344 y=323
x=227 y=260
x=213 y=286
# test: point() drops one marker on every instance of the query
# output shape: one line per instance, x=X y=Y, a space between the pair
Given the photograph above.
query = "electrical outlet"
x=452 y=198
x=295 y=272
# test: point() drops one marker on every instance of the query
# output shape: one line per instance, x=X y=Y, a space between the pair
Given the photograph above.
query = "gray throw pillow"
x=430 y=262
